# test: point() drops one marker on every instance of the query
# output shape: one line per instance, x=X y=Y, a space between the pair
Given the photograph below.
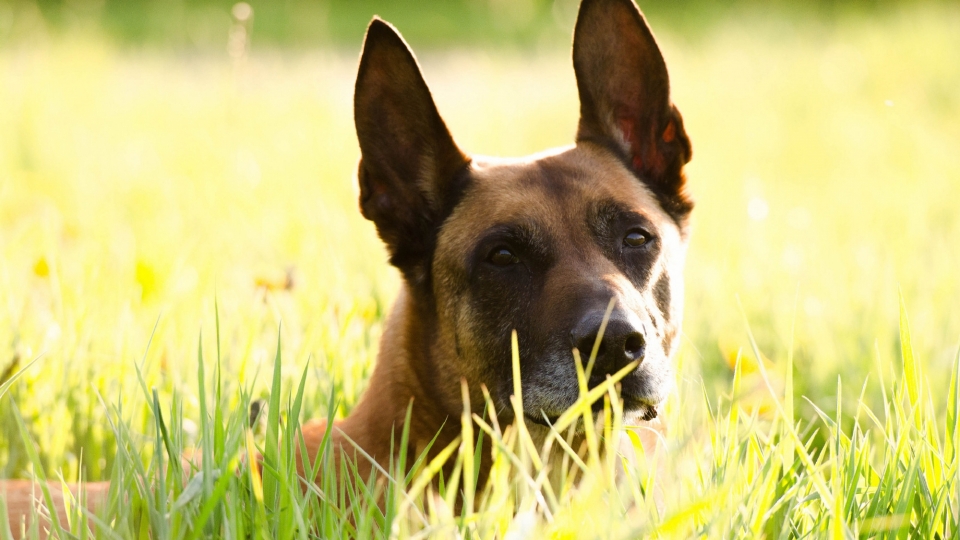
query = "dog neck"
x=402 y=379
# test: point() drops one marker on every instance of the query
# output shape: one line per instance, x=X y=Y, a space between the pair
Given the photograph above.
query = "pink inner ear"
x=644 y=153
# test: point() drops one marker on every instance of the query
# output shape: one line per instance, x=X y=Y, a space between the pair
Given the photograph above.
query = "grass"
x=157 y=210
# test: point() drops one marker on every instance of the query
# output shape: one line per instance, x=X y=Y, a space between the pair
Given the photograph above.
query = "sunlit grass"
x=138 y=190
x=893 y=475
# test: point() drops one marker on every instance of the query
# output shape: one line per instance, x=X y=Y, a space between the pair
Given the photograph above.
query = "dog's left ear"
x=409 y=163
x=625 y=98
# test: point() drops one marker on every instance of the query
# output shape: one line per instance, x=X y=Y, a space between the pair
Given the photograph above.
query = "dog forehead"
x=555 y=190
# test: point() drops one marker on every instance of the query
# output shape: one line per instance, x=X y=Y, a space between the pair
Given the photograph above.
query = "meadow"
x=179 y=235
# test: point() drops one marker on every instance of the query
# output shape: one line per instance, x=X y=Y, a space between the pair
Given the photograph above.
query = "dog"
x=540 y=245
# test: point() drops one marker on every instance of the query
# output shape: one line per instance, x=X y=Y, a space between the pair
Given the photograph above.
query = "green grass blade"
x=953 y=416
x=206 y=433
x=10 y=378
x=219 y=434
x=271 y=450
x=910 y=373
x=788 y=397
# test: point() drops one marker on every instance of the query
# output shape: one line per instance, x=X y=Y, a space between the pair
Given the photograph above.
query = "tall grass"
x=893 y=475
x=138 y=187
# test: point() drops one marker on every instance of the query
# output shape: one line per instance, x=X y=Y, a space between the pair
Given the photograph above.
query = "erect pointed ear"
x=409 y=164
x=625 y=98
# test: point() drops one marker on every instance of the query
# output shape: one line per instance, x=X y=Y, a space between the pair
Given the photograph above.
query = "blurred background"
x=190 y=25
x=183 y=171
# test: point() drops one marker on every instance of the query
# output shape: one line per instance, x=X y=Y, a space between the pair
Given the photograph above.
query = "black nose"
x=621 y=344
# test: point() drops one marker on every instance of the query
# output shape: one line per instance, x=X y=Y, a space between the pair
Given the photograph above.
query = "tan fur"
x=23 y=497
x=563 y=218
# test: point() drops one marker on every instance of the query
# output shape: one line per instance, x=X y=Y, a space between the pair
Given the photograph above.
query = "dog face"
x=541 y=244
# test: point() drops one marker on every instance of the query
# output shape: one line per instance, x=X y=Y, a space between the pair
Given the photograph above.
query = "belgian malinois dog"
x=539 y=245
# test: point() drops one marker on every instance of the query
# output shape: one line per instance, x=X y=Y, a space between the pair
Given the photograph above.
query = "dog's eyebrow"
x=526 y=235
x=607 y=213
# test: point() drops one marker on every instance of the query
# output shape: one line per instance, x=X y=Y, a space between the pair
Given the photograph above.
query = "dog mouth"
x=639 y=408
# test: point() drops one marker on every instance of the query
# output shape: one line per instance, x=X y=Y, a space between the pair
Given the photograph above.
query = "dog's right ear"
x=625 y=98
x=409 y=162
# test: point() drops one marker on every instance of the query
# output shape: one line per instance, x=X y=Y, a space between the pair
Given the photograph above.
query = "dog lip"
x=634 y=402
x=631 y=404
x=646 y=406
x=546 y=421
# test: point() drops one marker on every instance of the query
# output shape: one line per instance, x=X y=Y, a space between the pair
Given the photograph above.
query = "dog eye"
x=502 y=257
x=634 y=239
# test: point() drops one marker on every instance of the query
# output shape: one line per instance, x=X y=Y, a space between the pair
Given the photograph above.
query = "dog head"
x=542 y=244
